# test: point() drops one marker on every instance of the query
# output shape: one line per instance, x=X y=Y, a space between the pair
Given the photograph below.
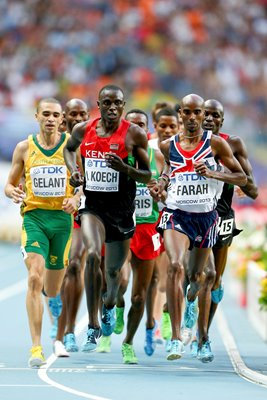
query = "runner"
x=213 y=290
x=190 y=218
x=75 y=111
x=111 y=148
x=47 y=205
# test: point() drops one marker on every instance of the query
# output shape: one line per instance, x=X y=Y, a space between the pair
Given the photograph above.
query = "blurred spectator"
x=154 y=49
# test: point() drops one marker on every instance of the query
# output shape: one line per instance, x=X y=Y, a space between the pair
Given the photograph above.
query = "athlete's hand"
x=70 y=205
x=239 y=192
x=17 y=194
x=115 y=162
x=202 y=169
x=157 y=189
x=76 y=179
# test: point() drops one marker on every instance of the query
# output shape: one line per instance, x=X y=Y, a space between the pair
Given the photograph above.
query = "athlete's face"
x=166 y=127
x=111 y=104
x=213 y=119
x=192 y=114
x=76 y=114
x=138 y=119
x=49 y=116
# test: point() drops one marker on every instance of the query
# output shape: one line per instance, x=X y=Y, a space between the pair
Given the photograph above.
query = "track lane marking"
x=230 y=345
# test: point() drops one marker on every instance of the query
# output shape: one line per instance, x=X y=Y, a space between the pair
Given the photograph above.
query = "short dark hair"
x=110 y=87
x=166 y=111
x=137 y=111
x=47 y=100
x=177 y=107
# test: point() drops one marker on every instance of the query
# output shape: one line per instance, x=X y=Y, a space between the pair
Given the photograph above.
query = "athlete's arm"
x=12 y=189
x=240 y=152
x=136 y=142
x=222 y=151
x=69 y=152
x=158 y=191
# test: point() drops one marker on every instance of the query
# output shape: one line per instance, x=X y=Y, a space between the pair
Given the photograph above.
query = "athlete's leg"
x=220 y=259
x=74 y=281
x=151 y=298
x=93 y=232
x=142 y=274
x=176 y=244
x=35 y=264
x=115 y=256
x=197 y=262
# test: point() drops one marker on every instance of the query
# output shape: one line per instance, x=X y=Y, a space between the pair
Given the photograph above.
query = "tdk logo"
x=49 y=170
x=191 y=177
x=142 y=191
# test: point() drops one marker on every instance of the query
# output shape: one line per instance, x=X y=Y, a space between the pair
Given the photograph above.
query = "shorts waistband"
x=182 y=212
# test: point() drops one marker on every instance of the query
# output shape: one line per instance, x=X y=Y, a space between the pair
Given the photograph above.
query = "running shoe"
x=166 y=328
x=177 y=348
x=190 y=313
x=186 y=334
x=119 y=320
x=128 y=354
x=93 y=334
x=37 y=358
x=70 y=343
x=53 y=329
x=168 y=345
x=104 y=344
x=158 y=338
x=150 y=344
x=205 y=354
x=59 y=349
x=194 y=348
x=55 y=305
x=108 y=320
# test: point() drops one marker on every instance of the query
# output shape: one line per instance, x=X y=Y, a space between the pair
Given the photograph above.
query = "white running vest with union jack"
x=189 y=191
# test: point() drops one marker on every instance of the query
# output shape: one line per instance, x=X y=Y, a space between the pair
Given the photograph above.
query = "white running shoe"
x=59 y=349
x=177 y=348
x=186 y=334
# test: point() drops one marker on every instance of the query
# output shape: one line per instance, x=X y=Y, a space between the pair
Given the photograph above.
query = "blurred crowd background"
x=156 y=50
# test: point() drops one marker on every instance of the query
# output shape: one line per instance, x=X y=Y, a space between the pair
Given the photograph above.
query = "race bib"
x=143 y=202
x=99 y=177
x=49 y=180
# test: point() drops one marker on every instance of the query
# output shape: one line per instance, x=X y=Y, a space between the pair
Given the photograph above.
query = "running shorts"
x=200 y=228
x=47 y=232
x=118 y=227
x=227 y=230
x=145 y=243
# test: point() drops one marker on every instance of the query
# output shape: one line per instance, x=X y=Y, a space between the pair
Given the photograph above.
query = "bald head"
x=213 y=116
x=76 y=110
x=73 y=103
x=212 y=103
x=192 y=114
x=192 y=99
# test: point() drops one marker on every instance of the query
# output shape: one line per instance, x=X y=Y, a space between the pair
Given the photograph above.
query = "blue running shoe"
x=205 y=354
x=177 y=348
x=108 y=320
x=53 y=329
x=150 y=344
x=93 y=334
x=55 y=305
x=194 y=348
x=70 y=343
x=190 y=313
